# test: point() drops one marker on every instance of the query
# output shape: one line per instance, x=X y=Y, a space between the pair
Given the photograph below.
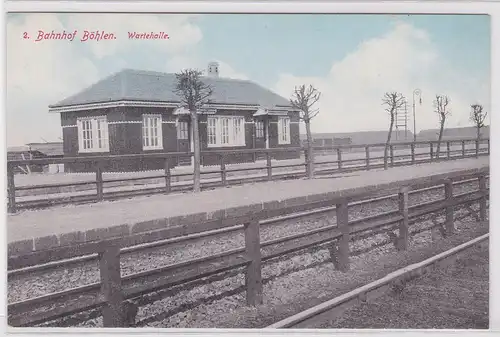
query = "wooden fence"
x=118 y=296
x=399 y=154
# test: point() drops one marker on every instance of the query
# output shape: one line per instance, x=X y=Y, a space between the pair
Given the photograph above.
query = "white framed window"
x=212 y=131
x=182 y=130
x=152 y=138
x=93 y=134
x=283 y=130
x=225 y=131
x=259 y=129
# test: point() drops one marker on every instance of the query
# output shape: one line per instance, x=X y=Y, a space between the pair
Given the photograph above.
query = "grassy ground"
x=452 y=298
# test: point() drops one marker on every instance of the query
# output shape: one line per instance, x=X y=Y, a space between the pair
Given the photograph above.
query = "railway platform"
x=43 y=229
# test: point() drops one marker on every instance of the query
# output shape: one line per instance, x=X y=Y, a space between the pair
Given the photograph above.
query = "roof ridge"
x=123 y=84
x=163 y=73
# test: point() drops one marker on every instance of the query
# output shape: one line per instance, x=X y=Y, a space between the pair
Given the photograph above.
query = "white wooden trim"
x=93 y=106
x=266 y=130
x=69 y=126
x=125 y=122
x=169 y=122
x=120 y=103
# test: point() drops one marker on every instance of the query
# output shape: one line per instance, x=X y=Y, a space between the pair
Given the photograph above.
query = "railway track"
x=335 y=307
x=93 y=289
x=156 y=245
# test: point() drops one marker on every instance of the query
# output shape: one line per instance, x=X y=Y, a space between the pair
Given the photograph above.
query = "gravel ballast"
x=454 y=297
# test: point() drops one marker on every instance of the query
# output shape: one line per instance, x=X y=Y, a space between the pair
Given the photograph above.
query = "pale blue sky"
x=352 y=59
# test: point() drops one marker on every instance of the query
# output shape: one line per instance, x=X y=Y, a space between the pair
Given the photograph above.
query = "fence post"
x=306 y=161
x=448 y=192
x=482 y=201
x=402 y=243
x=488 y=146
x=431 y=149
x=253 y=275
x=269 y=167
x=342 y=213
x=167 y=175
x=99 y=182
x=448 y=150
x=391 y=147
x=412 y=146
x=223 y=170
x=339 y=158
x=477 y=148
x=367 y=151
x=11 y=189
x=463 y=148
x=113 y=311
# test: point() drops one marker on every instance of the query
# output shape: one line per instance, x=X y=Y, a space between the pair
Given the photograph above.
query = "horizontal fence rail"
x=117 y=296
x=398 y=155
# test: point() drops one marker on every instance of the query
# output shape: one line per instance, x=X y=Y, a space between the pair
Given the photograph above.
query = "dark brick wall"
x=294 y=137
x=127 y=139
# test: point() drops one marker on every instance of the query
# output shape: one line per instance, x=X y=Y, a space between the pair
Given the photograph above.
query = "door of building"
x=184 y=141
x=261 y=138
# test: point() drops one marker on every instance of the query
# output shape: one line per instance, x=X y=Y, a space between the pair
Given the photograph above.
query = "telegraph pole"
x=418 y=93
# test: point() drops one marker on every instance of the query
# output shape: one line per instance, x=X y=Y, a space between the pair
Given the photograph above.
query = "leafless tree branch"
x=193 y=94
x=303 y=99
x=393 y=101
x=478 y=116
x=192 y=91
x=441 y=105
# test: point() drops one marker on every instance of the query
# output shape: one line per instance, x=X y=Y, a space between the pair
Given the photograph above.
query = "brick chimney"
x=213 y=69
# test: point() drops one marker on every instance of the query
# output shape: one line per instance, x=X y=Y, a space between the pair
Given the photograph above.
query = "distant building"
x=35 y=151
x=134 y=112
x=454 y=133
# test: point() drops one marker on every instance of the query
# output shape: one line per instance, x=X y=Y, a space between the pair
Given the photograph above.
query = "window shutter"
x=79 y=135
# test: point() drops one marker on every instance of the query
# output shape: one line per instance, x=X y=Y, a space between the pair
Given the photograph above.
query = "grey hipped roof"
x=138 y=85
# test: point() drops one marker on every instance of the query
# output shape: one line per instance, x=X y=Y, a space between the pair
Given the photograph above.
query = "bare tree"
x=303 y=99
x=393 y=101
x=441 y=104
x=477 y=116
x=193 y=94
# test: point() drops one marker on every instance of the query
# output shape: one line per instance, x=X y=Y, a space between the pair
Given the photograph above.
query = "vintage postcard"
x=260 y=171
